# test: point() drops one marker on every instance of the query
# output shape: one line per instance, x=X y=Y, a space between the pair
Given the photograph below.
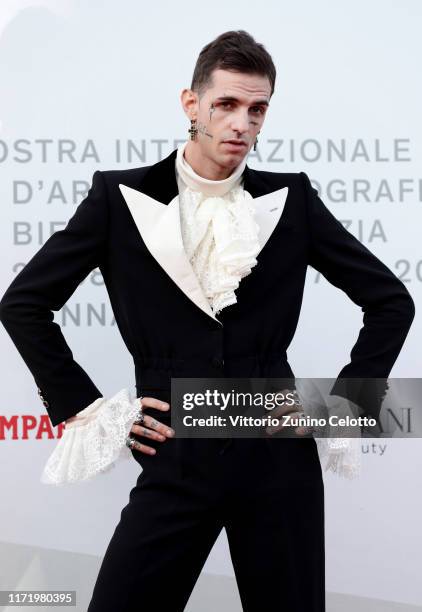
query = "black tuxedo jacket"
x=128 y=226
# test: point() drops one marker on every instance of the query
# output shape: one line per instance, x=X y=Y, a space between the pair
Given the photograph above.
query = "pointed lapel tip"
x=123 y=187
x=269 y=209
x=159 y=226
x=132 y=195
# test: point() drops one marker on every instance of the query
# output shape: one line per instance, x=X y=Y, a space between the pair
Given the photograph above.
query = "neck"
x=204 y=166
x=207 y=186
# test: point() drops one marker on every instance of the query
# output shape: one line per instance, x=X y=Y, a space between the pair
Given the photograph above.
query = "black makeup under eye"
x=228 y=105
x=260 y=109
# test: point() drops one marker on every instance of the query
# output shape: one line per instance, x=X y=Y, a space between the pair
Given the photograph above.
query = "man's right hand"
x=151 y=428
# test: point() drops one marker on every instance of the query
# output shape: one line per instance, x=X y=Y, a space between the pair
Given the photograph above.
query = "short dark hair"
x=235 y=50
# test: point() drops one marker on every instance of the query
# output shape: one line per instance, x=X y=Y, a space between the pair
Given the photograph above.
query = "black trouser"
x=269 y=500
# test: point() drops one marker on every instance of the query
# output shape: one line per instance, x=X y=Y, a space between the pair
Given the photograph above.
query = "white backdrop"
x=78 y=81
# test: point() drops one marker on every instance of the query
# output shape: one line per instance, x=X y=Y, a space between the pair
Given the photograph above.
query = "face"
x=229 y=116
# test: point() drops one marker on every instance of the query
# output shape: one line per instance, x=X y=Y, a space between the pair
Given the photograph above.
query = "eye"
x=257 y=110
x=227 y=104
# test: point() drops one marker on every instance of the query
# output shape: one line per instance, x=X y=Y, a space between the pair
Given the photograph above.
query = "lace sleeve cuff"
x=342 y=454
x=93 y=441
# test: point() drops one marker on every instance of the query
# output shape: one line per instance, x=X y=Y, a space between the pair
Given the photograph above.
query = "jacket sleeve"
x=44 y=285
x=388 y=309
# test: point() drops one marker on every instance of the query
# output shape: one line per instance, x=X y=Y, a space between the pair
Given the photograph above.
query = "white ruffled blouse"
x=220 y=236
x=219 y=232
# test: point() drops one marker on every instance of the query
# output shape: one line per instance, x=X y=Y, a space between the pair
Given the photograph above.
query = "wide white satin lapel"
x=269 y=208
x=159 y=226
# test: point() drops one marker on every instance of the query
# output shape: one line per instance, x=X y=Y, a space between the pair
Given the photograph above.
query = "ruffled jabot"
x=219 y=232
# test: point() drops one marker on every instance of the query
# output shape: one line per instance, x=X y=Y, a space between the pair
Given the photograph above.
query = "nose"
x=240 y=121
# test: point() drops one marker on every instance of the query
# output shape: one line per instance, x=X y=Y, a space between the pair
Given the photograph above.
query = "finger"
x=141 y=430
x=286 y=405
x=272 y=429
x=304 y=431
x=285 y=409
x=153 y=402
x=287 y=396
x=143 y=448
x=152 y=423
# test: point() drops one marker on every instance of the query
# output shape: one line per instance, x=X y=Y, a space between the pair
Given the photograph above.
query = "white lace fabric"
x=94 y=441
x=343 y=455
x=340 y=454
x=219 y=232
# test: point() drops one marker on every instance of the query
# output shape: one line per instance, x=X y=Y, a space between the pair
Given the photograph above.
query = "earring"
x=193 y=130
x=255 y=143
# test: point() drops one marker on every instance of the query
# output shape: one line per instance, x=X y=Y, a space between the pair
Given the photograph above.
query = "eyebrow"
x=263 y=102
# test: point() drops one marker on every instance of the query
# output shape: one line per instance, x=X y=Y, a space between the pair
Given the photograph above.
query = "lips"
x=235 y=142
x=234 y=145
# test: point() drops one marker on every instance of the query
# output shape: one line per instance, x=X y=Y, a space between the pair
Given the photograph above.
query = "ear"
x=189 y=100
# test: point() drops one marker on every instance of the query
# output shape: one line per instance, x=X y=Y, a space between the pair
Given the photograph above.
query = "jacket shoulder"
x=129 y=176
x=270 y=181
x=277 y=175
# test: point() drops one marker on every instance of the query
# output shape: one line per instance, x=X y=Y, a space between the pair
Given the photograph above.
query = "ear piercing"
x=193 y=130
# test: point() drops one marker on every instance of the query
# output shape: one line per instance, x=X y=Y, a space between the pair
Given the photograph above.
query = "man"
x=185 y=311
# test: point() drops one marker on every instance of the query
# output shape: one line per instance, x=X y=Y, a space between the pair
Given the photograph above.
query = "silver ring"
x=139 y=418
x=130 y=442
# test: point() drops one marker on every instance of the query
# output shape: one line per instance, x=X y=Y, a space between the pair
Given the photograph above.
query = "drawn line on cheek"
x=203 y=130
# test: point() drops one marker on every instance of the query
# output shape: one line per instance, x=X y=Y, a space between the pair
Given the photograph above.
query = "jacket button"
x=46 y=404
x=218 y=362
x=39 y=391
